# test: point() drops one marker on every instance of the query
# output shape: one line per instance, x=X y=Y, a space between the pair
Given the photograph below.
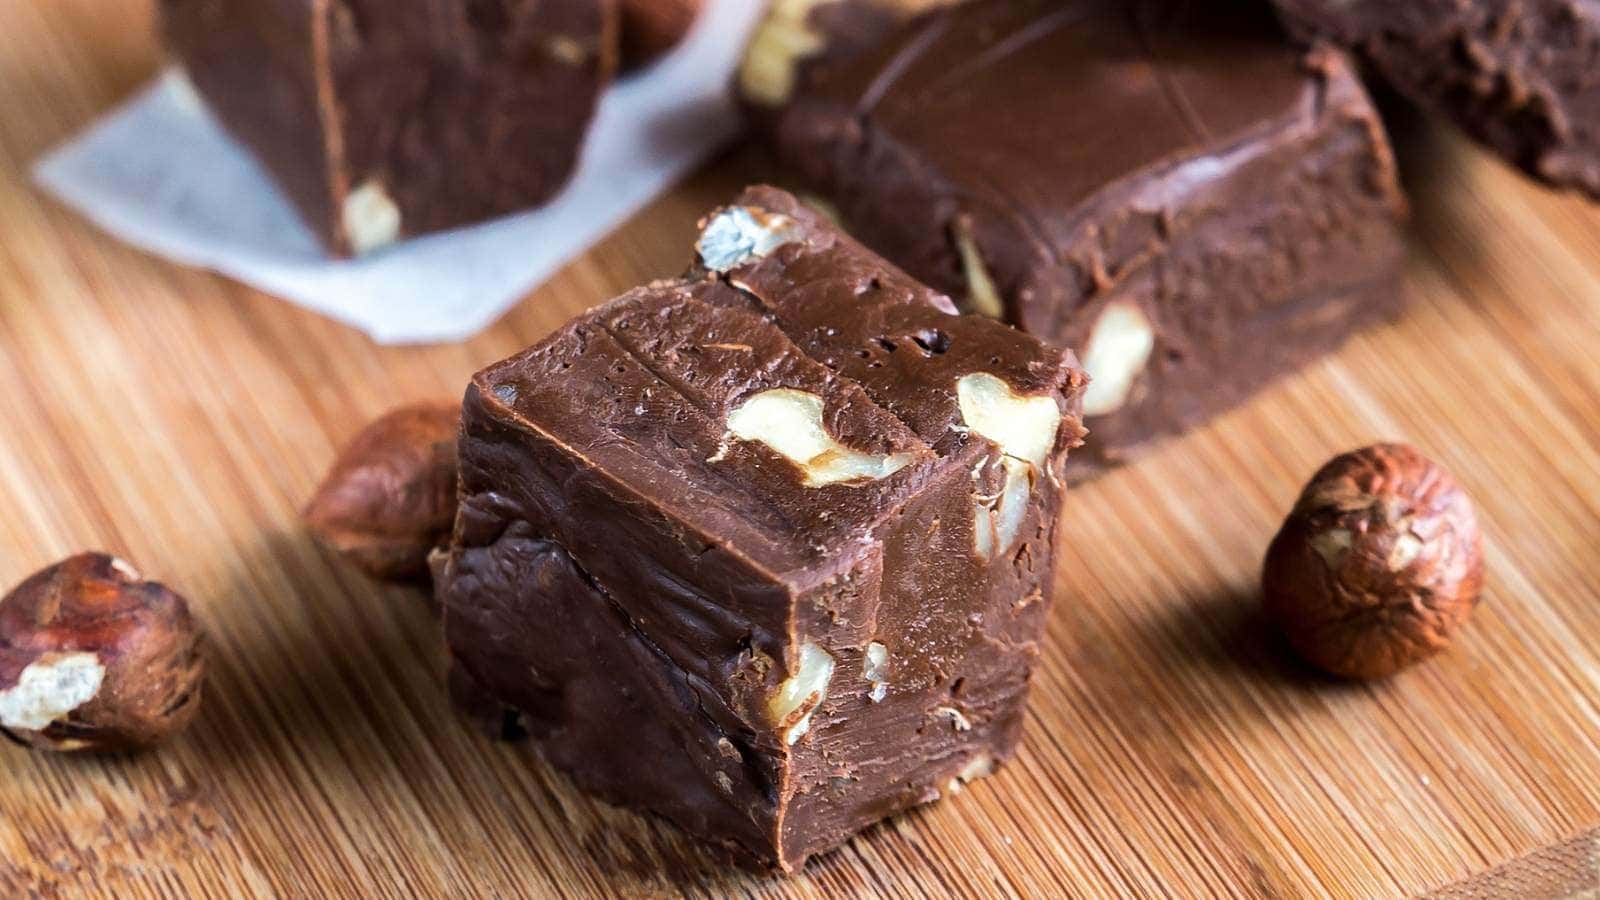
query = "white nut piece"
x=997 y=520
x=875 y=669
x=980 y=766
x=801 y=693
x=49 y=689
x=958 y=720
x=739 y=234
x=780 y=43
x=371 y=220
x=1023 y=427
x=983 y=297
x=1118 y=350
x=790 y=422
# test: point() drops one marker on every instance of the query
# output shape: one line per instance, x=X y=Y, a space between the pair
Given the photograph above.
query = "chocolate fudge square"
x=1521 y=76
x=381 y=121
x=767 y=549
x=1171 y=188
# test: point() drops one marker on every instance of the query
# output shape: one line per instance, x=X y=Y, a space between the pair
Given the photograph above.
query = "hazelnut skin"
x=1377 y=566
x=92 y=657
x=390 y=497
x=651 y=28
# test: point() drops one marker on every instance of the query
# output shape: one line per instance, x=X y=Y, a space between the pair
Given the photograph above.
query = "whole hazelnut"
x=92 y=657
x=391 y=496
x=650 y=28
x=1379 y=563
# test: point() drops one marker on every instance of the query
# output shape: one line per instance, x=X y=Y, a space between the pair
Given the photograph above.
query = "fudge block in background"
x=381 y=121
x=1522 y=76
x=768 y=549
x=1169 y=187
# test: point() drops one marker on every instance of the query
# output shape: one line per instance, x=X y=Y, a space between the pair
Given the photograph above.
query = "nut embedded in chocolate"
x=1380 y=562
x=390 y=498
x=92 y=657
x=796 y=33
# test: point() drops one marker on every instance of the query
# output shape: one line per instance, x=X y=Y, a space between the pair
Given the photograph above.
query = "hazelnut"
x=793 y=33
x=1023 y=426
x=983 y=298
x=740 y=234
x=784 y=39
x=92 y=657
x=390 y=498
x=997 y=518
x=800 y=694
x=650 y=28
x=1379 y=563
x=370 y=217
x=875 y=669
x=1117 y=352
x=790 y=423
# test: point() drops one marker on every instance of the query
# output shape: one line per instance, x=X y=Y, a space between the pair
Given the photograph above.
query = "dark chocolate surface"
x=1521 y=76
x=1181 y=159
x=449 y=112
x=638 y=579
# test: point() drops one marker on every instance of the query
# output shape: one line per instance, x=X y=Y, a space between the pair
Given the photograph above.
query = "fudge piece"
x=767 y=549
x=1521 y=76
x=1169 y=187
x=380 y=121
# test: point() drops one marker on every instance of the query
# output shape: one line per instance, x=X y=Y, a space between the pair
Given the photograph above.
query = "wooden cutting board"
x=1173 y=747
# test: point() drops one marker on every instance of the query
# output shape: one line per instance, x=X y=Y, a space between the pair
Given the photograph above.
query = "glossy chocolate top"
x=1152 y=82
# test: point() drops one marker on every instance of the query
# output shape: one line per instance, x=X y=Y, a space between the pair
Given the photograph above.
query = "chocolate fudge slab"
x=1521 y=76
x=380 y=121
x=728 y=565
x=1171 y=188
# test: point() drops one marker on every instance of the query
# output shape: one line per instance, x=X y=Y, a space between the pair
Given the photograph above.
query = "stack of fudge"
x=766 y=549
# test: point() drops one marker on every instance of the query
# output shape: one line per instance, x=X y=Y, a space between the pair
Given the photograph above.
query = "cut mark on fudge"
x=371 y=218
x=801 y=693
x=875 y=669
x=49 y=689
x=790 y=423
x=739 y=234
x=1118 y=350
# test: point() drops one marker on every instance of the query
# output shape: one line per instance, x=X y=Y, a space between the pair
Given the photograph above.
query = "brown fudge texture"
x=381 y=121
x=767 y=549
x=1521 y=76
x=1171 y=188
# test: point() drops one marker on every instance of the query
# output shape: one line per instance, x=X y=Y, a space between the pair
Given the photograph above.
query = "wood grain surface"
x=1173 y=747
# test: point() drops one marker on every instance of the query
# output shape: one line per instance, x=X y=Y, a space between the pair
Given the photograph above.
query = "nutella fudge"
x=767 y=549
x=1521 y=76
x=1172 y=188
x=380 y=121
